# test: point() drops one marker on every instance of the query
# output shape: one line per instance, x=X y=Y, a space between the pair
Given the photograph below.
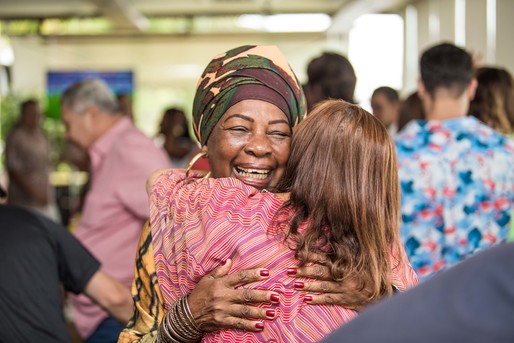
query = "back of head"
x=494 y=99
x=90 y=92
x=3 y=194
x=410 y=109
x=446 y=66
x=27 y=104
x=391 y=94
x=174 y=122
x=342 y=175
x=334 y=75
x=30 y=114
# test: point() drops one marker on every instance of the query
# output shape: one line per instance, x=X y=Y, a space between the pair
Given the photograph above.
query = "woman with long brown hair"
x=343 y=179
x=338 y=200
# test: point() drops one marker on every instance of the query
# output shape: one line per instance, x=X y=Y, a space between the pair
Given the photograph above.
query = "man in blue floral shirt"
x=456 y=173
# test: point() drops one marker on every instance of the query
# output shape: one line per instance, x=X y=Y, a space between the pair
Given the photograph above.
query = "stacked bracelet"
x=178 y=324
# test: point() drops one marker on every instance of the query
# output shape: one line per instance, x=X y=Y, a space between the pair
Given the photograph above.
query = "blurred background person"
x=494 y=104
x=27 y=158
x=116 y=205
x=455 y=172
x=472 y=302
x=181 y=148
x=494 y=99
x=330 y=76
x=411 y=108
x=125 y=102
x=38 y=257
x=385 y=103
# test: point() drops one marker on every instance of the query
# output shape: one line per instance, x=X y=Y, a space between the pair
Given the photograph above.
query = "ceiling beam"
x=123 y=13
x=343 y=20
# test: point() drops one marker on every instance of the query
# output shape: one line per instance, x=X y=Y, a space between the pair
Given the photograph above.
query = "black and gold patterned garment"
x=148 y=303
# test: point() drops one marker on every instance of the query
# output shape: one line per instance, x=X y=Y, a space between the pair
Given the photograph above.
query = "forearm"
x=111 y=295
x=178 y=325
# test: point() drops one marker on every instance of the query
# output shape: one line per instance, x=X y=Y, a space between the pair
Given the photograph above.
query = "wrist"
x=178 y=324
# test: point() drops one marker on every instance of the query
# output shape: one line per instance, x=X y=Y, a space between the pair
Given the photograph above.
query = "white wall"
x=166 y=69
x=491 y=39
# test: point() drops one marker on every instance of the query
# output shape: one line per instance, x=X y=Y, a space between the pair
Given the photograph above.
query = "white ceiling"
x=132 y=15
x=127 y=13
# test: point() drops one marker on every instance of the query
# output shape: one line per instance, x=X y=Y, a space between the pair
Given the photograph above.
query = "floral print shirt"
x=457 y=183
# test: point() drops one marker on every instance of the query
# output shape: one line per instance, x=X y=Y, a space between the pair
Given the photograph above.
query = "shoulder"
x=134 y=147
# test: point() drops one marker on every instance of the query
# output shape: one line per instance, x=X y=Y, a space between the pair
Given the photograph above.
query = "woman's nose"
x=259 y=145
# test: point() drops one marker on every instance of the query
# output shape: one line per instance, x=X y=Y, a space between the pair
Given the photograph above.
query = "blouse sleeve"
x=404 y=276
x=148 y=303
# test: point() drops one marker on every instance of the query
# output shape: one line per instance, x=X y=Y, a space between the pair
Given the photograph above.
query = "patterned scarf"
x=246 y=72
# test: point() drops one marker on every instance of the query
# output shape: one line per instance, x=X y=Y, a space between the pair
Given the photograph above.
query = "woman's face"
x=251 y=142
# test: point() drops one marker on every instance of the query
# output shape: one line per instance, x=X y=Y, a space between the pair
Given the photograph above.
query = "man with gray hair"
x=116 y=205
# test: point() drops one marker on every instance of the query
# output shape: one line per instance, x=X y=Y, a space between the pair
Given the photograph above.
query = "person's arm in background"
x=111 y=295
x=79 y=272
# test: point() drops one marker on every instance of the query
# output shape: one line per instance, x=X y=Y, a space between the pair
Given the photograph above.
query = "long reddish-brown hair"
x=342 y=176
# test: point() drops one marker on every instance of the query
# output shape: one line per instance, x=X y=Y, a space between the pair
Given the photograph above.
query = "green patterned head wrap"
x=246 y=72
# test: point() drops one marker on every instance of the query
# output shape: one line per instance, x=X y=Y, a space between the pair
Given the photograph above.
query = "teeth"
x=258 y=174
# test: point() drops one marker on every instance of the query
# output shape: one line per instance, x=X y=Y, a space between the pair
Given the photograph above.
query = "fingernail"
x=259 y=326
x=275 y=298
x=298 y=284
x=270 y=313
x=292 y=271
x=264 y=272
x=308 y=298
x=223 y=263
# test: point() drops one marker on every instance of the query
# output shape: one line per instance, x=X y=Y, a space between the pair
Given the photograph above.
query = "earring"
x=193 y=161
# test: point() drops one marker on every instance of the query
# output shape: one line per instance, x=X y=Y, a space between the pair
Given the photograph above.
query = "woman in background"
x=179 y=145
x=494 y=99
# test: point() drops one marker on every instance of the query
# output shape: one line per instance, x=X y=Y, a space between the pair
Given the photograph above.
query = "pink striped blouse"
x=197 y=225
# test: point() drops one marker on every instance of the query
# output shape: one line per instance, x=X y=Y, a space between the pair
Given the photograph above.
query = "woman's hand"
x=324 y=290
x=216 y=304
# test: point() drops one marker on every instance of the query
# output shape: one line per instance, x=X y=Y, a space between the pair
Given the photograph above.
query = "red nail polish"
x=308 y=298
x=292 y=271
x=270 y=313
x=264 y=272
x=274 y=298
x=298 y=284
x=259 y=326
x=223 y=262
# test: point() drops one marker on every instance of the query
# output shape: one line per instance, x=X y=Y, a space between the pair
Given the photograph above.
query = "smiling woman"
x=246 y=104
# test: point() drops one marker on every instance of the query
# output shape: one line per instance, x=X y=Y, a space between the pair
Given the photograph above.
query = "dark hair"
x=334 y=74
x=494 y=99
x=410 y=109
x=446 y=66
x=342 y=175
x=3 y=193
x=167 y=118
x=27 y=103
x=390 y=93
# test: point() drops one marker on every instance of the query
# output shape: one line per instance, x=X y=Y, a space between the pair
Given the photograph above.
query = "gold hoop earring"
x=193 y=161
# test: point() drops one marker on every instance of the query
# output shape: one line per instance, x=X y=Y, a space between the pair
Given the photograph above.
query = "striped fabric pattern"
x=200 y=223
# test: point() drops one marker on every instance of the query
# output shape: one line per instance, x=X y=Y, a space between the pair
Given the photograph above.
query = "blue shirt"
x=457 y=183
